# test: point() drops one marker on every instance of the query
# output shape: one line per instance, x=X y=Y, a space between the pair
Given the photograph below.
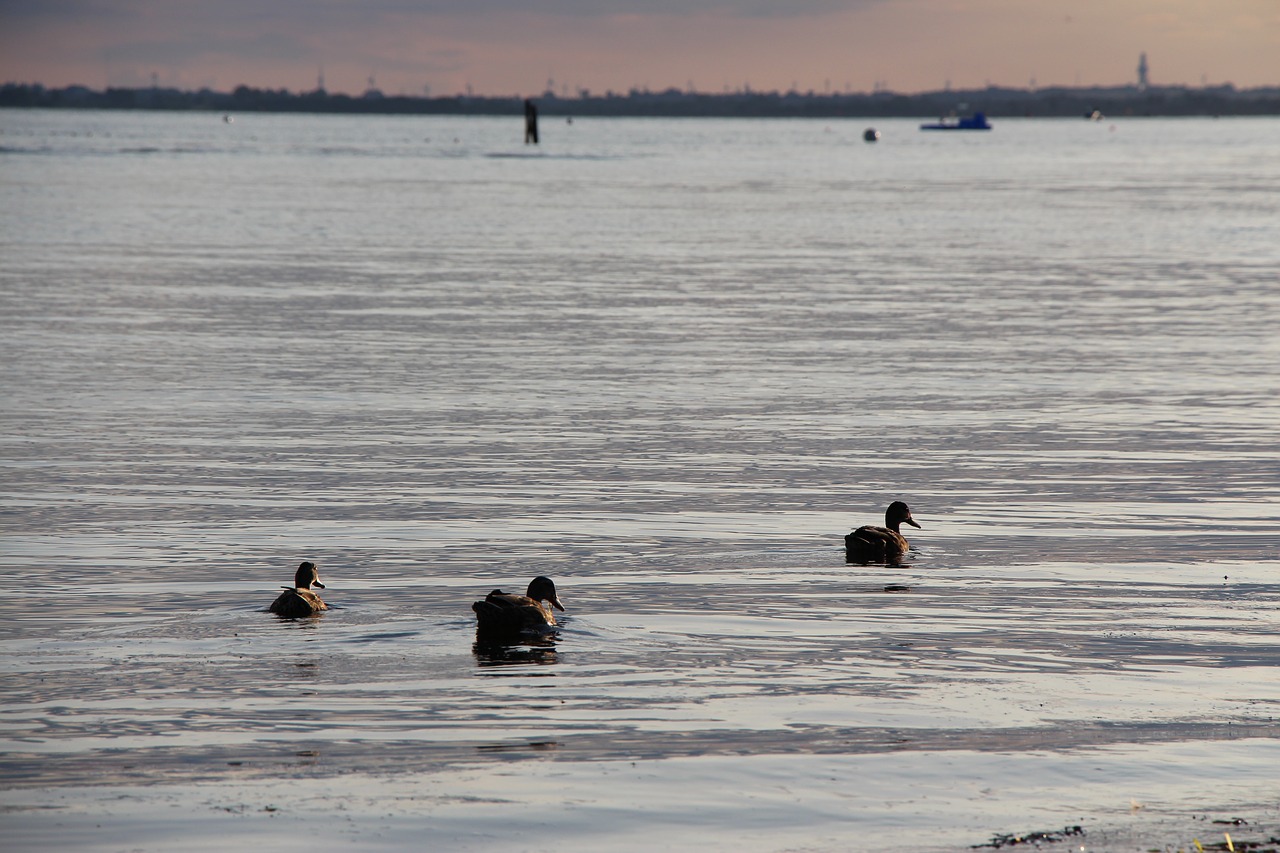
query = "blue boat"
x=977 y=121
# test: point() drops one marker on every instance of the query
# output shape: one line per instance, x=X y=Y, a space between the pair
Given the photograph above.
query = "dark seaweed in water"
x=998 y=841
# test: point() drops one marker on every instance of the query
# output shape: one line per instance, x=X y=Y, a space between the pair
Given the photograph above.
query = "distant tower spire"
x=320 y=80
x=1142 y=71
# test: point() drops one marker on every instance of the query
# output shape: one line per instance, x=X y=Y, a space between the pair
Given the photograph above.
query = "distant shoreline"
x=996 y=102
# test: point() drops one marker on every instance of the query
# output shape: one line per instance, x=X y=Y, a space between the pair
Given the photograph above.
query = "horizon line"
x=584 y=94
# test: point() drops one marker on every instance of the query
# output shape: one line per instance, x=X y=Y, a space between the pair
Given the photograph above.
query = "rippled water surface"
x=668 y=364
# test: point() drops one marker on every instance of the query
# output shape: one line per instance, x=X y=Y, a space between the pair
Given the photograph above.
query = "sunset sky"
x=506 y=47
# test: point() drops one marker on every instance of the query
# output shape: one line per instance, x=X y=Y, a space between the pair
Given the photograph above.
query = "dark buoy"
x=870 y=135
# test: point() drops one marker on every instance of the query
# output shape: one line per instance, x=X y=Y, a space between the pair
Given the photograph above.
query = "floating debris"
x=998 y=841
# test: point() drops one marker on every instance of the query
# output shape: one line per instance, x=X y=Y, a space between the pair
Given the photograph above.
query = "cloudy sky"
x=505 y=47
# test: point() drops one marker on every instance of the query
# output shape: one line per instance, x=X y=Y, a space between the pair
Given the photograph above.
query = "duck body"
x=875 y=544
x=871 y=544
x=509 y=613
x=298 y=600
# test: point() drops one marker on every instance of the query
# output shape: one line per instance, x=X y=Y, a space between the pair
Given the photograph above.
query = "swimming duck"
x=870 y=544
x=298 y=600
x=504 y=612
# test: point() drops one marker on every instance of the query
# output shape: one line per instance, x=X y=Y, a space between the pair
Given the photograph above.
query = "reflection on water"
x=303 y=623
x=855 y=559
x=493 y=651
x=507 y=748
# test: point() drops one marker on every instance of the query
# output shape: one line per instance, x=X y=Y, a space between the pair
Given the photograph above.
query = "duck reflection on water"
x=491 y=652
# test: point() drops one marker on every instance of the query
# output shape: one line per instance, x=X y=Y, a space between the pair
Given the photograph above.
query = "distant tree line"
x=994 y=101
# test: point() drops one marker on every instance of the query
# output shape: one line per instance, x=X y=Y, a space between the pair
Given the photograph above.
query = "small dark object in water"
x=298 y=600
x=530 y=123
x=870 y=135
x=1037 y=838
x=897 y=587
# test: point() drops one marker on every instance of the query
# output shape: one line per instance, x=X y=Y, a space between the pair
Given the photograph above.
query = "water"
x=669 y=364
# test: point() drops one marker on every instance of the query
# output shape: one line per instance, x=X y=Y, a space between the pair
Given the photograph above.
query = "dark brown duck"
x=509 y=613
x=871 y=544
x=298 y=600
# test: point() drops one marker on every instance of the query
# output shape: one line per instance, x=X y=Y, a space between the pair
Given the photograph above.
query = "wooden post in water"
x=530 y=122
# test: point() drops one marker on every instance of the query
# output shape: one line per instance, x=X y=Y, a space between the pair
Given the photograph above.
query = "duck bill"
x=317 y=584
x=912 y=522
x=555 y=602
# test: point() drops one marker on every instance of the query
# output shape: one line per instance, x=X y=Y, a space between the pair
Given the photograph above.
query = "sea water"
x=668 y=363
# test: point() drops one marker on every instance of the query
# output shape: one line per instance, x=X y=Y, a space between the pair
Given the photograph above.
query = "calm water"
x=669 y=364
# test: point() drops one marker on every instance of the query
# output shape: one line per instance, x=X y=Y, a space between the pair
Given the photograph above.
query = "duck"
x=871 y=544
x=509 y=613
x=298 y=600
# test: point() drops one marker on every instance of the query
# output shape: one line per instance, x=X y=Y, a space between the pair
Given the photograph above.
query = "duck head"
x=897 y=514
x=542 y=589
x=308 y=576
